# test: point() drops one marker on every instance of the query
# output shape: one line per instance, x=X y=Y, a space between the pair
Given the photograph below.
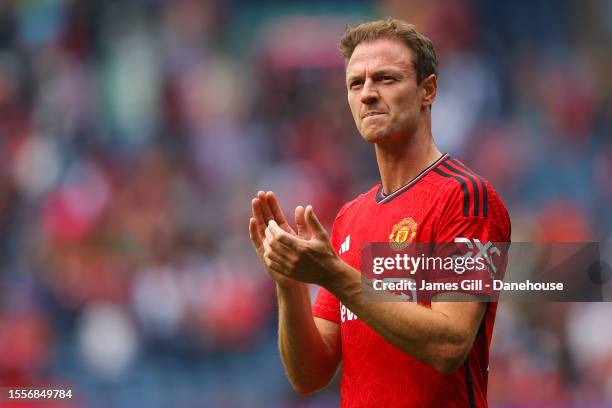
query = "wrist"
x=289 y=286
x=336 y=276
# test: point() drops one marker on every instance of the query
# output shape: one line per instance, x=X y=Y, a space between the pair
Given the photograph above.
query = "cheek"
x=405 y=114
x=408 y=106
x=354 y=110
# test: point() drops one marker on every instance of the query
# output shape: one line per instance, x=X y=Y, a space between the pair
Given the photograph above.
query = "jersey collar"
x=383 y=198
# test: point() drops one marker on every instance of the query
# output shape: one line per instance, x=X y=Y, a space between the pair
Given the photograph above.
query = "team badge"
x=403 y=233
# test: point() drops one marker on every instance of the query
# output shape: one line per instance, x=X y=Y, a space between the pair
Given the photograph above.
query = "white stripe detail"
x=345 y=245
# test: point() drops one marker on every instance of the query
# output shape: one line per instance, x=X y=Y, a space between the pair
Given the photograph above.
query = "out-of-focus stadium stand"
x=133 y=135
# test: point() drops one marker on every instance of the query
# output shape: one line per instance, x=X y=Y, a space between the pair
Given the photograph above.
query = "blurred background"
x=133 y=135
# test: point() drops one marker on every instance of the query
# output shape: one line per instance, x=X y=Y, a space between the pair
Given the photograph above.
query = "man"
x=393 y=354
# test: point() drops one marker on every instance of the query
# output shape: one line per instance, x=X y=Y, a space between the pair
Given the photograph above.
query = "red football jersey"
x=445 y=201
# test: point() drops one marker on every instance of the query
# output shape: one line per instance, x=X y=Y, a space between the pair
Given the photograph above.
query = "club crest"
x=403 y=233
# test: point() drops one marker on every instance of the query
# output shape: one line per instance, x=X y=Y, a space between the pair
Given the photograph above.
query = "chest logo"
x=403 y=233
x=345 y=245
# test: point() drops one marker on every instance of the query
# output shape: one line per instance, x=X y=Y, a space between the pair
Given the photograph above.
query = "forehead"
x=378 y=54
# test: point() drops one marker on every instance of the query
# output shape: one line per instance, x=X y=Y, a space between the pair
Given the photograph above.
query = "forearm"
x=309 y=361
x=426 y=334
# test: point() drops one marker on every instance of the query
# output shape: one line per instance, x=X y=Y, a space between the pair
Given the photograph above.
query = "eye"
x=387 y=78
x=355 y=83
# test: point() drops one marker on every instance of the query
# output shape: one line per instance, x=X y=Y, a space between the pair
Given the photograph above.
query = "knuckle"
x=294 y=259
x=274 y=244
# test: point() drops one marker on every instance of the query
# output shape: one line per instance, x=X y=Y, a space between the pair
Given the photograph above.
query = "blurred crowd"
x=134 y=134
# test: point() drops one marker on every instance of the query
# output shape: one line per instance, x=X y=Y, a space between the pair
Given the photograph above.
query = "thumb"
x=314 y=225
x=300 y=221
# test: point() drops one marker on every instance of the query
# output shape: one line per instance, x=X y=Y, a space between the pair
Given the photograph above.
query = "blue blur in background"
x=133 y=135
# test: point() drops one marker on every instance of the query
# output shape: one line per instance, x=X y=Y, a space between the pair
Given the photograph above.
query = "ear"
x=429 y=88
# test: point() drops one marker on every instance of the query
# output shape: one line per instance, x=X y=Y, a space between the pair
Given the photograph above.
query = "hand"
x=308 y=257
x=266 y=208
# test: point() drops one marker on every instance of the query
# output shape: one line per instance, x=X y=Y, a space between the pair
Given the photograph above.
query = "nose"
x=369 y=93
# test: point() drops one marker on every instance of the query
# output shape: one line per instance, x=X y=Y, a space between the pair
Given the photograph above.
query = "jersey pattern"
x=445 y=201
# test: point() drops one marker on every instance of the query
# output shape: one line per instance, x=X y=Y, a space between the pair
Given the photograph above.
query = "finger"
x=313 y=223
x=274 y=266
x=255 y=233
x=273 y=232
x=265 y=208
x=276 y=256
x=291 y=242
x=258 y=213
x=276 y=209
x=268 y=234
x=300 y=221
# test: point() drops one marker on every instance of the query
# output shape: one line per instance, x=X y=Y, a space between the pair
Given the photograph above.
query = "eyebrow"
x=378 y=72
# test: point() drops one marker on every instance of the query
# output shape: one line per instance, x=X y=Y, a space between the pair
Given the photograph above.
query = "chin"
x=374 y=135
x=377 y=137
x=374 y=139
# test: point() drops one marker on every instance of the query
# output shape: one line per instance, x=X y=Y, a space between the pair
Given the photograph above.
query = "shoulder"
x=467 y=189
x=357 y=201
x=469 y=202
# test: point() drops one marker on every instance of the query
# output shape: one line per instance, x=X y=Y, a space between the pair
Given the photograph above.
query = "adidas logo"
x=345 y=245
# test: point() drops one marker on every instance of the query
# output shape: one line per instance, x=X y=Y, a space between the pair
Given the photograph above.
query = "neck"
x=403 y=160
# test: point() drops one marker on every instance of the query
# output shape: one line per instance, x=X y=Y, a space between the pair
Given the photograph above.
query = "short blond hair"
x=425 y=60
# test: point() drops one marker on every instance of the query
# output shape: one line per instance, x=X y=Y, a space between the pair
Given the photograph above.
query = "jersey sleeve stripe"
x=464 y=187
x=485 y=193
x=475 y=187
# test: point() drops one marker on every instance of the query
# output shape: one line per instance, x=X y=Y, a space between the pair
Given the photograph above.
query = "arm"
x=441 y=336
x=309 y=346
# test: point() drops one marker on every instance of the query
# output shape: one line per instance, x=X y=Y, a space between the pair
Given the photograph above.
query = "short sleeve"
x=326 y=306
x=491 y=225
x=485 y=236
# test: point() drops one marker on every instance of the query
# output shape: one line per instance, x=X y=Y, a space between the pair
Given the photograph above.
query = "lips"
x=373 y=113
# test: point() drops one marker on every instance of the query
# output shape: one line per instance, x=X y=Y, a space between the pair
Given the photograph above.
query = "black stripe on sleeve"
x=474 y=185
x=485 y=193
x=469 y=383
x=466 y=198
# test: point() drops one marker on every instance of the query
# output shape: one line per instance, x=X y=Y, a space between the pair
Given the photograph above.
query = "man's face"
x=382 y=91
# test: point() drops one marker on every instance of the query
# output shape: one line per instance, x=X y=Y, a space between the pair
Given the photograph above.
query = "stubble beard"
x=379 y=134
x=389 y=136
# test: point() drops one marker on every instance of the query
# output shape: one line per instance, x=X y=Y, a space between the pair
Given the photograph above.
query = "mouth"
x=370 y=114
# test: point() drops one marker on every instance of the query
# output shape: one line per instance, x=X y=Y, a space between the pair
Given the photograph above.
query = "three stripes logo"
x=345 y=245
x=475 y=197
